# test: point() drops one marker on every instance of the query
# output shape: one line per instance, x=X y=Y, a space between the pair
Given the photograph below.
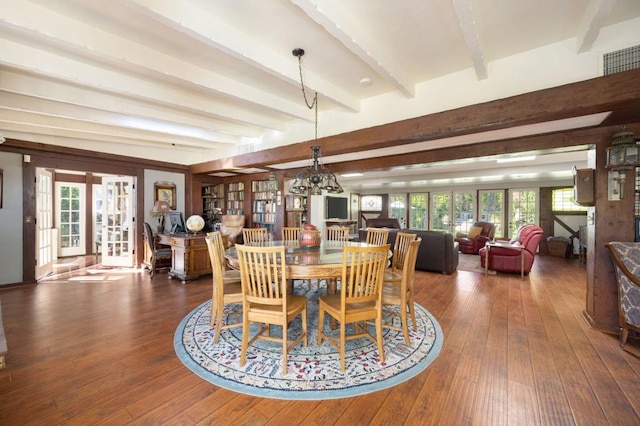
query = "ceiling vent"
x=246 y=148
x=622 y=60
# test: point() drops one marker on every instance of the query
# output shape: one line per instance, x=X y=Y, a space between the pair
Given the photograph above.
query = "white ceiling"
x=188 y=81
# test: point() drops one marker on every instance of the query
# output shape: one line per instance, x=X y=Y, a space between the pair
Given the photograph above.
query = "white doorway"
x=70 y=218
x=45 y=234
x=118 y=221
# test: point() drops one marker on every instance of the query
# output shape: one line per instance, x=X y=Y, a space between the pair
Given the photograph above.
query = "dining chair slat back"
x=338 y=233
x=255 y=235
x=290 y=233
x=402 y=295
x=265 y=300
x=377 y=236
x=400 y=248
x=360 y=298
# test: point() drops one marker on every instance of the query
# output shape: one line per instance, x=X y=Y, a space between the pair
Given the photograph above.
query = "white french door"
x=118 y=226
x=70 y=218
x=523 y=208
x=97 y=216
x=45 y=241
x=418 y=211
x=441 y=211
x=451 y=211
x=491 y=206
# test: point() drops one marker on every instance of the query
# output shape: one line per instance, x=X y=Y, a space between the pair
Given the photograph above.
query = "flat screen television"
x=176 y=222
x=337 y=208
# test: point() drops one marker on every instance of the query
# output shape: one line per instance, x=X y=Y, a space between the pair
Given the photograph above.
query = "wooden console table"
x=189 y=255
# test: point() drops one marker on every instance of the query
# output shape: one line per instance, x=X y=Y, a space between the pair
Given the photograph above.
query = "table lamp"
x=160 y=208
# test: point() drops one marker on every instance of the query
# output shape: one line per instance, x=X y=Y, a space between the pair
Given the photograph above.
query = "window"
x=523 y=208
x=463 y=211
x=491 y=206
x=371 y=203
x=398 y=207
x=562 y=200
x=418 y=217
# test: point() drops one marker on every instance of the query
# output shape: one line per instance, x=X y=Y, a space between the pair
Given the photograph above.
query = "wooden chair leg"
x=379 y=337
x=405 y=326
x=285 y=348
x=623 y=336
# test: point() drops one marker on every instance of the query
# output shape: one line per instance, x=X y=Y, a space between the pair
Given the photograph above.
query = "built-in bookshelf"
x=235 y=198
x=296 y=208
x=263 y=204
x=212 y=201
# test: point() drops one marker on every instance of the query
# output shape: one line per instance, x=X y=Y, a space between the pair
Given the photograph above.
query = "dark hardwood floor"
x=515 y=352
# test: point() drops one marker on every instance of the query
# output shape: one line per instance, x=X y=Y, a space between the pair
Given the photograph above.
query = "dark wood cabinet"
x=189 y=255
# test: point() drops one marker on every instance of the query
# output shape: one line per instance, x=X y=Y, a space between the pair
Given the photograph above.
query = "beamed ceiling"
x=405 y=88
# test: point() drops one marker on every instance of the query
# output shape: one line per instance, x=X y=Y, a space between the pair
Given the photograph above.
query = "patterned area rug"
x=313 y=372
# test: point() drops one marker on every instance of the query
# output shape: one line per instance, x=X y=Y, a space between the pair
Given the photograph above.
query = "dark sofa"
x=384 y=222
x=438 y=251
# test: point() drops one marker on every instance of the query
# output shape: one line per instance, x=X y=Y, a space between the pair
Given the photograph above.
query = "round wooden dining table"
x=324 y=262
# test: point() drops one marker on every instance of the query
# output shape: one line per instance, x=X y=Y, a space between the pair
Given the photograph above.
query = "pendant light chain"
x=314 y=103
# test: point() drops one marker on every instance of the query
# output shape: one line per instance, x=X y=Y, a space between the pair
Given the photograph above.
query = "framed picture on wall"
x=165 y=191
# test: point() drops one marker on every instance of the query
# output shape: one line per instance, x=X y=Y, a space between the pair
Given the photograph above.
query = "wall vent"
x=622 y=60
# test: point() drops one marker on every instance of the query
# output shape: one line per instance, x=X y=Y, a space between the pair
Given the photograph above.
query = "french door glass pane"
x=69 y=217
x=523 y=208
x=463 y=203
x=397 y=207
x=441 y=211
x=491 y=206
x=418 y=217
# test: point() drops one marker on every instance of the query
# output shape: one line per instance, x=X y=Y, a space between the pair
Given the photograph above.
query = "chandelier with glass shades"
x=315 y=177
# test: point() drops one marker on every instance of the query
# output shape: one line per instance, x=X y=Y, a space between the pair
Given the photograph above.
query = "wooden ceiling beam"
x=602 y=94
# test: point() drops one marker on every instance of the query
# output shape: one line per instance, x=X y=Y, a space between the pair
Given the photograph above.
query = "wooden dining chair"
x=255 y=235
x=227 y=288
x=401 y=295
x=359 y=300
x=290 y=233
x=338 y=233
x=377 y=236
x=265 y=300
x=400 y=248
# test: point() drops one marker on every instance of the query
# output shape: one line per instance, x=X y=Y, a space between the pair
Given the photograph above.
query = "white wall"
x=150 y=178
x=11 y=219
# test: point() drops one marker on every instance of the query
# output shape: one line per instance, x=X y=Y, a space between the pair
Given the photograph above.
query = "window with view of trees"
x=491 y=209
x=562 y=201
x=523 y=208
x=463 y=208
x=418 y=217
x=440 y=211
x=397 y=207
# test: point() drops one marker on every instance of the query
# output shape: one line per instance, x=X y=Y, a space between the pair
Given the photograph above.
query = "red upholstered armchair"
x=476 y=238
x=508 y=260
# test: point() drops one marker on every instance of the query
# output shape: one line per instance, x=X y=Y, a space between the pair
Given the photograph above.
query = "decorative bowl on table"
x=309 y=237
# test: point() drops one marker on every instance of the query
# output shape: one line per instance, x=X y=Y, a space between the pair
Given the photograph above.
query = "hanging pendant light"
x=315 y=177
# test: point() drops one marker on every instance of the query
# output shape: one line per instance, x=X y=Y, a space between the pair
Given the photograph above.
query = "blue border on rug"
x=346 y=392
